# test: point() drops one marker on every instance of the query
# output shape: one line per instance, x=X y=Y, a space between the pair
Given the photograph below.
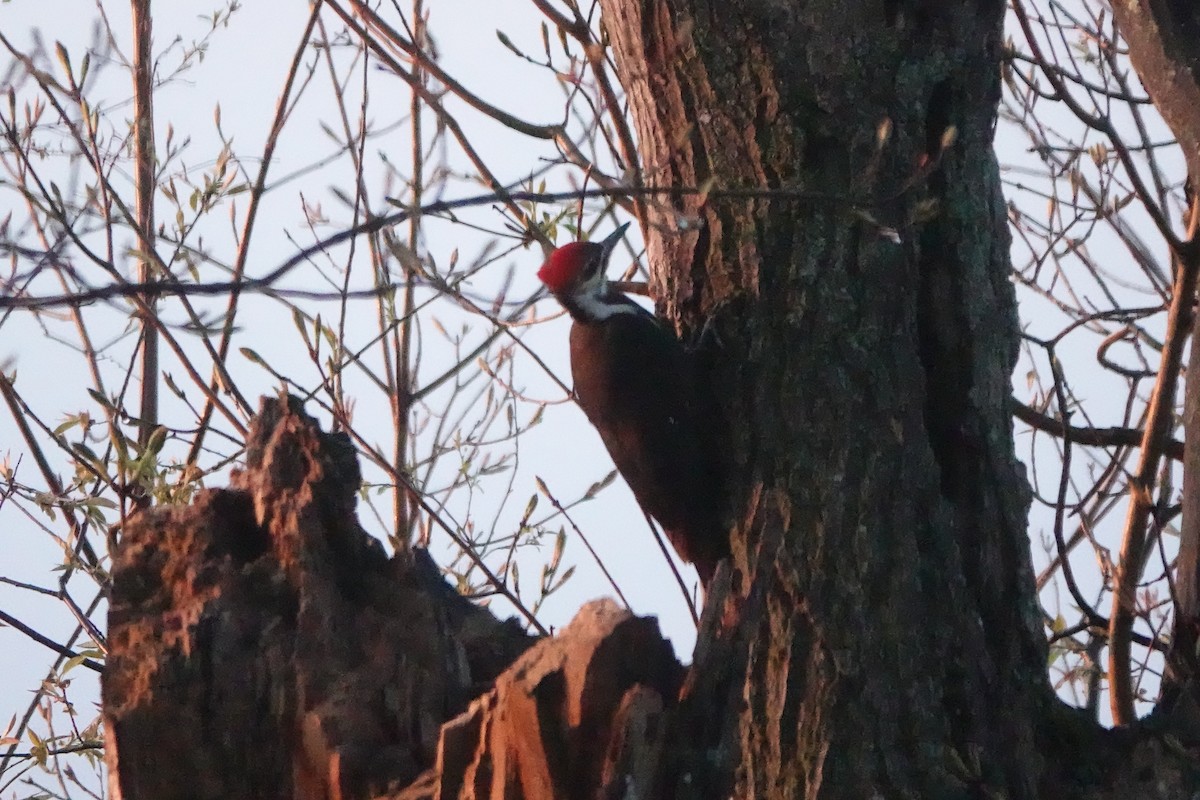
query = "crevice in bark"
x=891 y=9
x=938 y=116
x=946 y=358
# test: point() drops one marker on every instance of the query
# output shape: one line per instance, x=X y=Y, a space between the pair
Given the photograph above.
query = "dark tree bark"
x=891 y=639
x=888 y=641
x=877 y=633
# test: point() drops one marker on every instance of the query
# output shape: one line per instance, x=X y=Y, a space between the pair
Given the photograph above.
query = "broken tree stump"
x=577 y=716
x=262 y=645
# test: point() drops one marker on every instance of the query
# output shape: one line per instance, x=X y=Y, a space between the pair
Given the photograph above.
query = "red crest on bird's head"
x=562 y=269
x=574 y=263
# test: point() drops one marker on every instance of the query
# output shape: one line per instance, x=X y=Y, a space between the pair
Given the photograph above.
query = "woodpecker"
x=638 y=386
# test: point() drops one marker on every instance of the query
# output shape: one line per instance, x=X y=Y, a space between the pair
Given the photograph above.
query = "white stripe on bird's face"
x=597 y=308
x=592 y=296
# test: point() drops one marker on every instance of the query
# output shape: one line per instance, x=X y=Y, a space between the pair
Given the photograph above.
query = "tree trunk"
x=892 y=637
x=888 y=641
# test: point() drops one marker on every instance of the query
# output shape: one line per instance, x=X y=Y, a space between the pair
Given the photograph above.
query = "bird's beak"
x=609 y=243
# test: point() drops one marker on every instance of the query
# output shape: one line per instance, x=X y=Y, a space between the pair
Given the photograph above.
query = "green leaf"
x=121 y=444
x=63 y=59
x=70 y=422
x=79 y=658
x=566 y=576
x=529 y=508
x=101 y=399
x=537 y=416
x=595 y=488
x=300 y=320
x=560 y=545
x=504 y=40
x=172 y=385
x=155 y=443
